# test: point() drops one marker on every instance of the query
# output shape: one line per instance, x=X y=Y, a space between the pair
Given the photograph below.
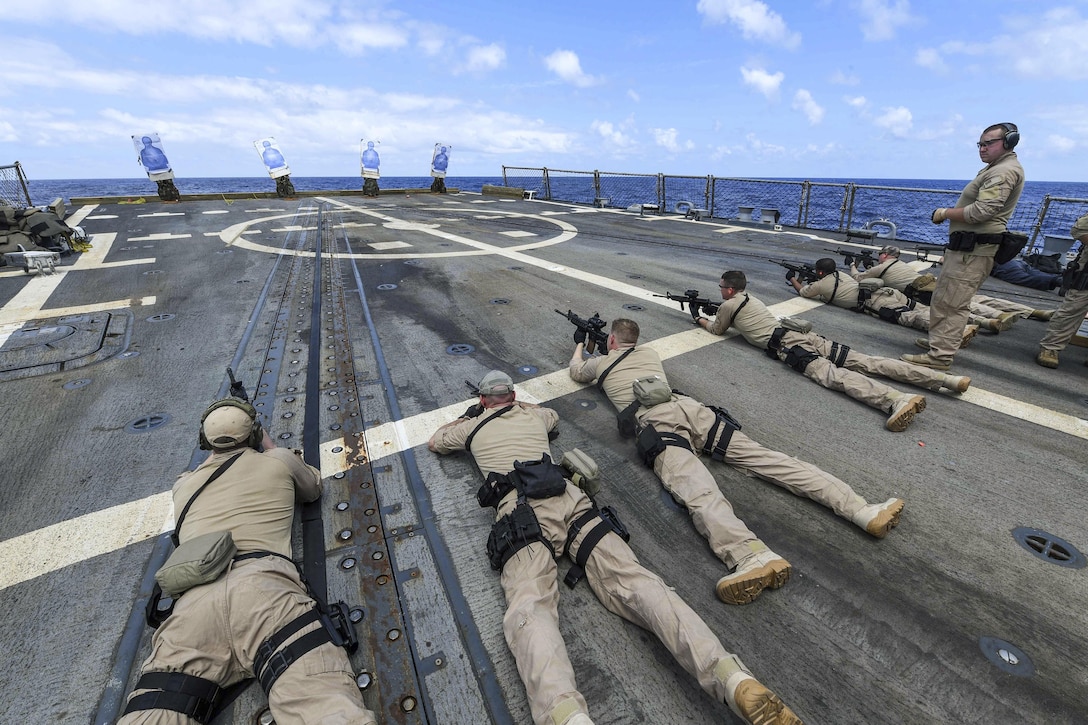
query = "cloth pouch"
x=796 y=324
x=583 y=470
x=651 y=391
x=197 y=561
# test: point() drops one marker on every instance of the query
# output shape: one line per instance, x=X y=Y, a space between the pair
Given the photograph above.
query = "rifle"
x=806 y=272
x=596 y=337
x=924 y=252
x=237 y=390
x=864 y=257
x=694 y=302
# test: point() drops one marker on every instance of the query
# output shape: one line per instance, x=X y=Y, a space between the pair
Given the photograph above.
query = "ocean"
x=827 y=204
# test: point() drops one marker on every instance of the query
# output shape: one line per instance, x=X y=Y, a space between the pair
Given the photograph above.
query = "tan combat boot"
x=750 y=699
x=759 y=570
x=879 y=518
x=905 y=408
x=956 y=383
x=1047 y=358
x=1043 y=315
x=1005 y=321
x=969 y=332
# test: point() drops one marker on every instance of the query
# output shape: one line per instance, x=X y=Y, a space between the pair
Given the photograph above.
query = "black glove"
x=790 y=274
x=473 y=411
x=694 y=310
x=849 y=260
x=579 y=336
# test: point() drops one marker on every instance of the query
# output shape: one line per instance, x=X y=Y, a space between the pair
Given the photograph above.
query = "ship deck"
x=359 y=353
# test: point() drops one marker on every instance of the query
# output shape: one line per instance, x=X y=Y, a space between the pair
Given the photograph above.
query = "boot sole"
x=767 y=708
x=744 y=589
x=885 y=521
x=902 y=420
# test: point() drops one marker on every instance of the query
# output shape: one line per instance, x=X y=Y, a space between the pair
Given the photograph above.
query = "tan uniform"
x=845 y=295
x=1070 y=316
x=892 y=272
x=216 y=629
x=683 y=474
x=626 y=588
x=757 y=324
x=988 y=202
x=836 y=288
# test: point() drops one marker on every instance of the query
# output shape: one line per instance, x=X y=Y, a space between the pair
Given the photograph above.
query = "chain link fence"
x=13 y=188
x=901 y=213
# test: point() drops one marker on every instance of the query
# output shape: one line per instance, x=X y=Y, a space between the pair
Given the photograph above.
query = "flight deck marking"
x=159 y=236
x=232 y=236
x=160 y=213
x=74 y=540
x=29 y=302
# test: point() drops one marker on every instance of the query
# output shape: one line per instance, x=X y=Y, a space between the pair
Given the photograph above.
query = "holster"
x=717 y=440
x=650 y=444
x=512 y=533
x=799 y=359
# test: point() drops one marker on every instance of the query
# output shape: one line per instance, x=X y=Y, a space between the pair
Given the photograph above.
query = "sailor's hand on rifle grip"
x=579 y=336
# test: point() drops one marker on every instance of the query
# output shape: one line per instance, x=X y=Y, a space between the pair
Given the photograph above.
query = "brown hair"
x=626 y=331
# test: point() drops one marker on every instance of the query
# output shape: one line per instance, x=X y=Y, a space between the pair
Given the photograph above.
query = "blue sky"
x=814 y=89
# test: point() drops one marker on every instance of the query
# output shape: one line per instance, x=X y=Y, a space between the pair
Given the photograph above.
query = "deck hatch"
x=1049 y=547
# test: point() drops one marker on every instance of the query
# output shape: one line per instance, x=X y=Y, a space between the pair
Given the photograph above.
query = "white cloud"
x=881 y=18
x=764 y=149
x=764 y=82
x=611 y=133
x=842 y=79
x=898 y=120
x=633 y=95
x=806 y=104
x=485 y=58
x=565 y=64
x=930 y=58
x=1060 y=143
x=666 y=138
x=755 y=20
x=858 y=102
x=1051 y=46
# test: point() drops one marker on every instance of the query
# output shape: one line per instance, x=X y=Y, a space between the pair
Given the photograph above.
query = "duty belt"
x=966 y=241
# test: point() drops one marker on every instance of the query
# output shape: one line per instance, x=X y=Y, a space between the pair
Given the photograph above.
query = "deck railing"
x=902 y=212
x=13 y=188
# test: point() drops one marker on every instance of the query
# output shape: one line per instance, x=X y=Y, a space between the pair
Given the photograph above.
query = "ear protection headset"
x=1012 y=136
x=256 y=433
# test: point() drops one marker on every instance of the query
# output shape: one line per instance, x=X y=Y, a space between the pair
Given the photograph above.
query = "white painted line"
x=83 y=213
x=295 y=228
x=159 y=237
x=160 y=213
x=381 y=246
x=84 y=537
x=518 y=233
x=216 y=211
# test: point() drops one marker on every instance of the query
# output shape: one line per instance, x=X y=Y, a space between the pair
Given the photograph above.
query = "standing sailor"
x=1070 y=316
x=977 y=226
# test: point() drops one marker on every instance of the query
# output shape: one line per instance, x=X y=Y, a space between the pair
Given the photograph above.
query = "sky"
x=855 y=89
